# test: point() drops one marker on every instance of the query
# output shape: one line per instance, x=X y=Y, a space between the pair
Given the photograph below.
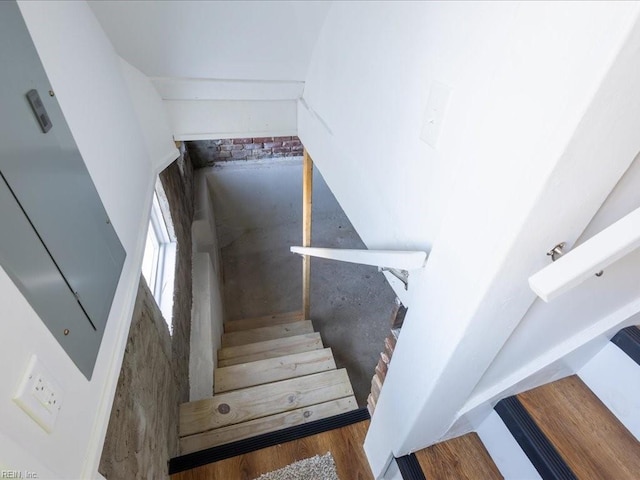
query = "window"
x=158 y=263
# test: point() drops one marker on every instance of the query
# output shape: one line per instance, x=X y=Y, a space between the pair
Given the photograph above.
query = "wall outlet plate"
x=434 y=113
x=40 y=395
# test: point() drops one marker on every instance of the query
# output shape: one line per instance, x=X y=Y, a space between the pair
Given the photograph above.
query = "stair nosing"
x=247 y=445
x=628 y=340
x=410 y=468
x=536 y=446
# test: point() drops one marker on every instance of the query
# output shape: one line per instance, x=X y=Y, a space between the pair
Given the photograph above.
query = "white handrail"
x=589 y=258
x=399 y=259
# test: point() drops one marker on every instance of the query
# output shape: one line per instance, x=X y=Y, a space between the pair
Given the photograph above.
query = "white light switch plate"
x=40 y=395
x=434 y=113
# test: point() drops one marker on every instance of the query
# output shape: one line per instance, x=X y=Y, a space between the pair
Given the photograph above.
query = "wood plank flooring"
x=270 y=370
x=262 y=334
x=268 y=349
x=264 y=321
x=462 y=458
x=587 y=435
x=243 y=405
x=252 y=428
x=345 y=444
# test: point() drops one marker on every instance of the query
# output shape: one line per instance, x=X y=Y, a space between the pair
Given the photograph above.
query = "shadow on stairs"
x=275 y=382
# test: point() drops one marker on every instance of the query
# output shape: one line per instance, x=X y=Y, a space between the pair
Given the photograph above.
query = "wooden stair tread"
x=591 y=440
x=264 y=321
x=462 y=458
x=269 y=370
x=273 y=332
x=272 y=423
x=269 y=349
x=254 y=402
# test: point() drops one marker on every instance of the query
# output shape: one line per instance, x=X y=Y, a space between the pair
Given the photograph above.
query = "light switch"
x=39 y=395
x=434 y=113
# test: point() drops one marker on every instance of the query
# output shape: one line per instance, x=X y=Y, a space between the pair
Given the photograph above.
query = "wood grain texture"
x=255 y=402
x=462 y=458
x=246 y=337
x=263 y=321
x=307 y=207
x=586 y=434
x=251 y=374
x=272 y=423
x=269 y=349
x=345 y=444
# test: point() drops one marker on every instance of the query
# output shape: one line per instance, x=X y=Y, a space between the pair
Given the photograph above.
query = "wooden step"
x=265 y=321
x=590 y=439
x=255 y=402
x=269 y=349
x=270 y=370
x=245 y=337
x=462 y=458
x=272 y=423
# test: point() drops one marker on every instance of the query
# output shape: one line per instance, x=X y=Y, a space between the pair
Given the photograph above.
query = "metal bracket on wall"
x=402 y=275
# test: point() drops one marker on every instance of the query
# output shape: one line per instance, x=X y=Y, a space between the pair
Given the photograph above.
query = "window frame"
x=162 y=273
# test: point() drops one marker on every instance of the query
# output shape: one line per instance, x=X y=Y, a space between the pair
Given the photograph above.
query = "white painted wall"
x=207 y=316
x=86 y=75
x=152 y=116
x=540 y=98
x=214 y=39
x=551 y=330
x=212 y=119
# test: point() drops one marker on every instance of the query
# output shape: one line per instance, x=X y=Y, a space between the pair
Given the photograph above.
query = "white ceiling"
x=252 y=40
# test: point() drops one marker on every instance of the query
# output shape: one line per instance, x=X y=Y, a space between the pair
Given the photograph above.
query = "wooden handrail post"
x=307 y=194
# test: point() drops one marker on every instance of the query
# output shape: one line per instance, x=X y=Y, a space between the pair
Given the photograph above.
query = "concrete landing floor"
x=351 y=305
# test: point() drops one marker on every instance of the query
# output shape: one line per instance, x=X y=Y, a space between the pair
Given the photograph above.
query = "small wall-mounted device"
x=39 y=111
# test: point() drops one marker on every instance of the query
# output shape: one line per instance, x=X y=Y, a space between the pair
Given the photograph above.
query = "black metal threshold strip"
x=410 y=467
x=542 y=454
x=628 y=340
x=240 y=447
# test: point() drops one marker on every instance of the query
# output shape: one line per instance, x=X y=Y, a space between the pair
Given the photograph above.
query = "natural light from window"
x=158 y=262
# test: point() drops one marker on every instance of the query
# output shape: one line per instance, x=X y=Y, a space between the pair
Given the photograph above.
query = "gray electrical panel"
x=56 y=241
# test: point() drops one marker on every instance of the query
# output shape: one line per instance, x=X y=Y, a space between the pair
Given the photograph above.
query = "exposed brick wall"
x=205 y=153
x=177 y=181
x=143 y=428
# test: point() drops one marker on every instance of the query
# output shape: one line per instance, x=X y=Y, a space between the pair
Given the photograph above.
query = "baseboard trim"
x=628 y=340
x=240 y=447
x=410 y=467
x=542 y=454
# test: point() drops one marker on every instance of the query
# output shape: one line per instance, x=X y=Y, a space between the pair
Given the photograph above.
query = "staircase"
x=584 y=426
x=273 y=373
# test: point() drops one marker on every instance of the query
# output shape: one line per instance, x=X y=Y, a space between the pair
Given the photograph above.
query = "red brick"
x=239 y=154
x=226 y=148
x=297 y=148
x=281 y=150
x=263 y=139
x=282 y=139
x=253 y=146
x=292 y=143
x=272 y=144
x=242 y=141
